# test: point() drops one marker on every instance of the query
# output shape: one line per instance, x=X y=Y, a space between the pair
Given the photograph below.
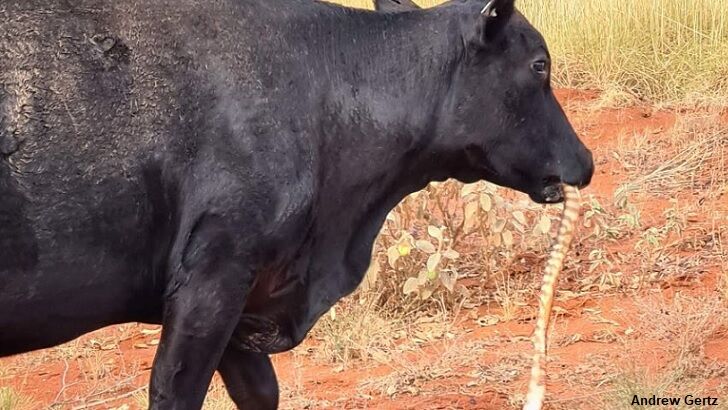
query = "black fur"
x=223 y=167
x=394 y=5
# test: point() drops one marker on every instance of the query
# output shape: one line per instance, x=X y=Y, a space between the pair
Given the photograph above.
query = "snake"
x=554 y=265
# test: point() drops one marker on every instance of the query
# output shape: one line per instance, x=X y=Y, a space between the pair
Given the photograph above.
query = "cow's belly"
x=75 y=256
x=54 y=304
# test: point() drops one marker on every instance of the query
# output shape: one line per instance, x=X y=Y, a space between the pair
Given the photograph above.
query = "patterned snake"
x=537 y=382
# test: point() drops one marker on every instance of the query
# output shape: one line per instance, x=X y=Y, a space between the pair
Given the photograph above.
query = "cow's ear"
x=490 y=22
x=394 y=5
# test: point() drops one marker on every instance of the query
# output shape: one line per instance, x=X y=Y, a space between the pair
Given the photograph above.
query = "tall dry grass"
x=11 y=400
x=661 y=51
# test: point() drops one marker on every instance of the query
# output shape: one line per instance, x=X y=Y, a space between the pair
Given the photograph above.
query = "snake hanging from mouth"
x=569 y=217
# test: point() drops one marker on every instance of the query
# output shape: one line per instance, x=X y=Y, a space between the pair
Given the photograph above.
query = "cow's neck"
x=385 y=83
x=385 y=88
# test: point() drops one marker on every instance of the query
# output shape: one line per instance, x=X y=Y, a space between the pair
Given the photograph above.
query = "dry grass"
x=723 y=263
x=418 y=371
x=10 y=400
x=685 y=171
x=355 y=330
x=686 y=323
x=293 y=394
x=658 y=50
x=636 y=383
x=511 y=295
x=216 y=399
x=662 y=51
x=693 y=156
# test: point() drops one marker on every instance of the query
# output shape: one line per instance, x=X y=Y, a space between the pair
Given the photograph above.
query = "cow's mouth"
x=551 y=193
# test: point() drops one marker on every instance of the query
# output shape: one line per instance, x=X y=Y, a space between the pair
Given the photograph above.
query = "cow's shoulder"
x=264 y=184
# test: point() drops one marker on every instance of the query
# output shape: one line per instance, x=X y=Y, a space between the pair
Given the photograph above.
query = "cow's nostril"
x=578 y=177
x=580 y=171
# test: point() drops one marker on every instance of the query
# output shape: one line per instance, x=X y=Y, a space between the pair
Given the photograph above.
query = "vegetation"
x=10 y=400
x=687 y=323
x=661 y=51
x=658 y=50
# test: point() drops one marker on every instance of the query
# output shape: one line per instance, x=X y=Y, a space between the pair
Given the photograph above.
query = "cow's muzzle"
x=553 y=194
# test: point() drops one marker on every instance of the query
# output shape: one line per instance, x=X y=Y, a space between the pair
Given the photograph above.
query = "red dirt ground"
x=108 y=368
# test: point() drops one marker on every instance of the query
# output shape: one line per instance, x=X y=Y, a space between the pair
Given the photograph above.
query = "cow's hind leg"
x=203 y=305
x=250 y=379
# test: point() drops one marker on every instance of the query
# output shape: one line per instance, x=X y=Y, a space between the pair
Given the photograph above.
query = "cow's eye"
x=540 y=67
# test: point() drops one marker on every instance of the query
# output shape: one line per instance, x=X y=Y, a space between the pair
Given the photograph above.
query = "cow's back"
x=103 y=72
x=104 y=106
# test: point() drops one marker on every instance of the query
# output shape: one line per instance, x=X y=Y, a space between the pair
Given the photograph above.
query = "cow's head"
x=500 y=121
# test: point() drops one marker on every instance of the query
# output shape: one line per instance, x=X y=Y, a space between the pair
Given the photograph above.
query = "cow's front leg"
x=205 y=299
x=250 y=379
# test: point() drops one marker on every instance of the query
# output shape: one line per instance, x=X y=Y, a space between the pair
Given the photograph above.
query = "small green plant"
x=601 y=222
x=631 y=219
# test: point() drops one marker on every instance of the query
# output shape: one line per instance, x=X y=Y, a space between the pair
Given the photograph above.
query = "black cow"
x=222 y=167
